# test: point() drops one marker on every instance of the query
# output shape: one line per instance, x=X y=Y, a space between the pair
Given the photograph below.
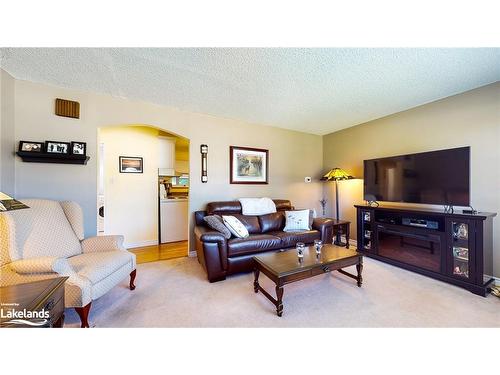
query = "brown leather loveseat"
x=221 y=257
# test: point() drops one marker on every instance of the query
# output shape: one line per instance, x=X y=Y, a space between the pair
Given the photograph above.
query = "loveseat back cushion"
x=252 y=244
x=234 y=207
x=40 y=231
x=250 y=222
x=283 y=204
x=224 y=208
x=272 y=222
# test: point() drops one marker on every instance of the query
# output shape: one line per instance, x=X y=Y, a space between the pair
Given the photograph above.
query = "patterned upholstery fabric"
x=43 y=242
x=102 y=243
x=36 y=265
x=41 y=231
x=74 y=214
x=97 y=266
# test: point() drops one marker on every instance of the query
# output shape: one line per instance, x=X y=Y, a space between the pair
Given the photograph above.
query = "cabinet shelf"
x=44 y=157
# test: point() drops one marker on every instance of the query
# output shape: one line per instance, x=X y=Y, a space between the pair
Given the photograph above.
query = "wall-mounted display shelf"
x=44 y=157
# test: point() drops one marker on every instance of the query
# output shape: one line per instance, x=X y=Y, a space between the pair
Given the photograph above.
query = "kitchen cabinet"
x=182 y=166
x=166 y=156
x=173 y=220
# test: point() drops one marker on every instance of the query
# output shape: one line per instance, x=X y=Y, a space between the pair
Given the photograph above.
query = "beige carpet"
x=175 y=293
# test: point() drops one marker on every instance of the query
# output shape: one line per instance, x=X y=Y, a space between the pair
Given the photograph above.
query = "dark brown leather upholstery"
x=224 y=208
x=234 y=207
x=250 y=222
x=324 y=226
x=272 y=222
x=290 y=239
x=253 y=244
x=221 y=257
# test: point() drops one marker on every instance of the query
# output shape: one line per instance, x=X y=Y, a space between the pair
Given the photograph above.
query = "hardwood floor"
x=160 y=252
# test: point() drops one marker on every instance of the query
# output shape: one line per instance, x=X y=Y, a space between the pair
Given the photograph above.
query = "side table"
x=341 y=227
x=44 y=297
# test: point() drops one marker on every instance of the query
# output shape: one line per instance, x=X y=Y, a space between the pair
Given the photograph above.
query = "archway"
x=143 y=189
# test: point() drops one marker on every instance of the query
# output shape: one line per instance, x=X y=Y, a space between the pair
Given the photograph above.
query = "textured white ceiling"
x=311 y=90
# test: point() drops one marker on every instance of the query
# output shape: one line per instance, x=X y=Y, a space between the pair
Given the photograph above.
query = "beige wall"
x=469 y=119
x=7 y=144
x=293 y=155
x=131 y=199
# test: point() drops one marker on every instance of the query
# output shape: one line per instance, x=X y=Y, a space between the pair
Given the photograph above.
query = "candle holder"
x=300 y=250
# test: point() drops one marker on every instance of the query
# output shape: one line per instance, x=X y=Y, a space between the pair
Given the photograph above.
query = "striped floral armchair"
x=47 y=240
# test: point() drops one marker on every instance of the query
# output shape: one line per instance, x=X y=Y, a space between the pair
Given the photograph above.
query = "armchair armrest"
x=102 y=243
x=211 y=248
x=325 y=227
x=41 y=265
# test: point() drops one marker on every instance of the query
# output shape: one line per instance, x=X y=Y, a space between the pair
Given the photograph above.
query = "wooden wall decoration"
x=67 y=108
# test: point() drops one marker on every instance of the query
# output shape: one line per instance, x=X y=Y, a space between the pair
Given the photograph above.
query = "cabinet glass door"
x=461 y=251
x=366 y=230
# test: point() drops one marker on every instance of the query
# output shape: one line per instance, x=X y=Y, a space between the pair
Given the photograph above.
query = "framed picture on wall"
x=28 y=146
x=131 y=164
x=79 y=148
x=248 y=165
x=54 y=147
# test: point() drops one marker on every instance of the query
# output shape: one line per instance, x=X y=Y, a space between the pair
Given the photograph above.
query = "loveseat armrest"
x=211 y=248
x=41 y=265
x=208 y=235
x=325 y=227
x=102 y=243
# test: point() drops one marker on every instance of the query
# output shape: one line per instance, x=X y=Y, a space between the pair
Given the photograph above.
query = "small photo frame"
x=55 y=147
x=79 y=148
x=28 y=146
x=131 y=164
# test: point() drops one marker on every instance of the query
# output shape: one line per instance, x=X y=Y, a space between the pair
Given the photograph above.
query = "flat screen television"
x=435 y=177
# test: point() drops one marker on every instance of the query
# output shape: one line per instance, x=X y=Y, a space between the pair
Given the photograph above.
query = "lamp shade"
x=337 y=174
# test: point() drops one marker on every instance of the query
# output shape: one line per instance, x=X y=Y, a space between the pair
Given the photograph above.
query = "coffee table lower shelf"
x=297 y=274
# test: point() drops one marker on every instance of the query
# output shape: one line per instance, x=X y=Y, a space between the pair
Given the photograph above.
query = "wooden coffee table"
x=283 y=267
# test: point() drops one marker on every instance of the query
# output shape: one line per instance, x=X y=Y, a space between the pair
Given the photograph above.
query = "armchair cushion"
x=100 y=265
x=102 y=243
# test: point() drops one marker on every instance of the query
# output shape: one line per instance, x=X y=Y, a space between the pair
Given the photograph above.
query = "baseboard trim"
x=131 y=245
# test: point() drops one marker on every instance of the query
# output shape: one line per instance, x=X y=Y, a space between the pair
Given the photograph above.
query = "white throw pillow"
x=235 y=226
x=297 y=221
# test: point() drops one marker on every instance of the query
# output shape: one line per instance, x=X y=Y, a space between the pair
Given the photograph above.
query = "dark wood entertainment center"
x=453 y=247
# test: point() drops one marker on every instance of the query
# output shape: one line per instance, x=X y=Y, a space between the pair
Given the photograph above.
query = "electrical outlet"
x=307 y=179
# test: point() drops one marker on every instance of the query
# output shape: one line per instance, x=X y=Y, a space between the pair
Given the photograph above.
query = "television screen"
x=435 y=177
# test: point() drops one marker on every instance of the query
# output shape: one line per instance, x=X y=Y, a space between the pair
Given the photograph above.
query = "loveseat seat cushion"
x=272 y=222
x=290 y=239
x=98 y=266
x=253 y=244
